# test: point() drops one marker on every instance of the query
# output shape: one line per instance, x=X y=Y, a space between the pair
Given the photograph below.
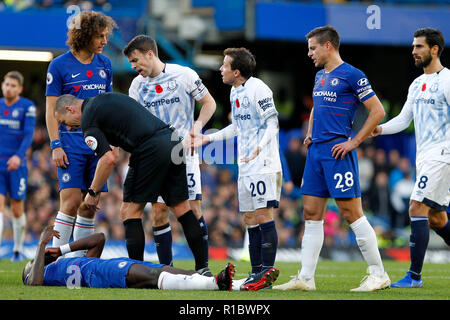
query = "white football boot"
x=297 y=283
x=372 y=282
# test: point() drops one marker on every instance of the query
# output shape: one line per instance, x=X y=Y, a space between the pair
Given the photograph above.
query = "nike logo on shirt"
x=75 y=75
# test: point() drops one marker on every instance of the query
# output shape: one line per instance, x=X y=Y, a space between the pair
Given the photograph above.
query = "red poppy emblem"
x=158 y=88
x=322 y=81
x=424 y=87
x=6 y=112
x=237 y=103
x=89 y=73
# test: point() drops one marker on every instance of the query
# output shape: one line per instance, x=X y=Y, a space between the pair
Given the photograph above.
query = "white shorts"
x=193 y=177
x=259 y=191
x=432 y=185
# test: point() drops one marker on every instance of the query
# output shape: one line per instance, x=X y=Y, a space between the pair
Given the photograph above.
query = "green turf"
x=333 y=282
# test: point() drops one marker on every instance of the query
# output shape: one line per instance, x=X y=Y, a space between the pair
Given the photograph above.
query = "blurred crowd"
x=386 y=183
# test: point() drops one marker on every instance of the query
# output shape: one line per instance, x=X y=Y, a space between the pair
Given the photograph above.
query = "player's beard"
x=424 y=62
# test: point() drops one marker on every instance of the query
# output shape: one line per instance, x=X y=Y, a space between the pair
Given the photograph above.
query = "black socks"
x=135 y=238
x=194 y=237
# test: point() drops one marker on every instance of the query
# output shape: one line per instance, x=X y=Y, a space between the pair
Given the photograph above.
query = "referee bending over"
x=118 y=120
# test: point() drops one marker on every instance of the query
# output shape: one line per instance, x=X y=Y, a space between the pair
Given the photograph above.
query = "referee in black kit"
x=118 y=120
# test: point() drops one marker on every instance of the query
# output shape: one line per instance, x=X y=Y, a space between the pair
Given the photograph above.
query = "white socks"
x=18 y=225
x=313 y=240
x=311 y=245
x=169 y=281
x=367 y=242
x=63 y=224
x=83 y=227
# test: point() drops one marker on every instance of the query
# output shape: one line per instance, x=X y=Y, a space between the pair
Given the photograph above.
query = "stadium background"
x=194 y=33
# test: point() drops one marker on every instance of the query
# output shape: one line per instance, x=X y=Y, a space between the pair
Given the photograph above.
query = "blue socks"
x=162 y=236
x=420 y=235
x=263 y=243
x=269 y=244
x=254 y=247
x=205 y=237
x=444 y=233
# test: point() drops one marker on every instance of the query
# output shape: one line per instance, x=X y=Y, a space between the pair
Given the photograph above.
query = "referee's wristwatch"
x=92 y=192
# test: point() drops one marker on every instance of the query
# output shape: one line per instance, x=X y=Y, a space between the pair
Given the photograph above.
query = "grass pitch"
x=333 y=281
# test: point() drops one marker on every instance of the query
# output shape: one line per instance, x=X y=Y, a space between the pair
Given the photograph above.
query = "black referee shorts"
x=152 y=172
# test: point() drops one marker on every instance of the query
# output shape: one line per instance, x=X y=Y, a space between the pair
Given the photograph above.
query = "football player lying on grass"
x=51 y=267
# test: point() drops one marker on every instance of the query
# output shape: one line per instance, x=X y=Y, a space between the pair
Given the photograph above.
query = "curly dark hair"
x=85 y=26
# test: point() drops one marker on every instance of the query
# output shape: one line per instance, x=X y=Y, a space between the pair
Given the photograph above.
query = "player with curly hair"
x=83 y=72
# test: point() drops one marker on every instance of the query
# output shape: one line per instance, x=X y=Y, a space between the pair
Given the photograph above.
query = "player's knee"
x=150 y=279
x=264 y=215
x=196 y=208
x=418 y=209
x=349 y=215
x=86 y=211
x=160 y=217
x=17 y=207
x=310 y=212
x=437 y=221
x=435 y=224
x=250 y=219
x=130 y=210
x=70 y=203
x=17 y=213
x=180 y=208
x=69 y=208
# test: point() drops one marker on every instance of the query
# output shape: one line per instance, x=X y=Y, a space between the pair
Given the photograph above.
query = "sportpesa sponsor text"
x=161 y=102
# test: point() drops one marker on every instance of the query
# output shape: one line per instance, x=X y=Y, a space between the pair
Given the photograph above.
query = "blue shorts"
x=79 y=173
x=324 y=176
x=112 y=273
x=14 y=182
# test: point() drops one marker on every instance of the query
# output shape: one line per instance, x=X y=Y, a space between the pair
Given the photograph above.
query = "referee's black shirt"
x=118 y=120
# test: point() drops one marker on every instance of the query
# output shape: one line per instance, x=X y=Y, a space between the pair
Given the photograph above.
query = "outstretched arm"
x=396 y=124
x=208 y=108
x=226 y=133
